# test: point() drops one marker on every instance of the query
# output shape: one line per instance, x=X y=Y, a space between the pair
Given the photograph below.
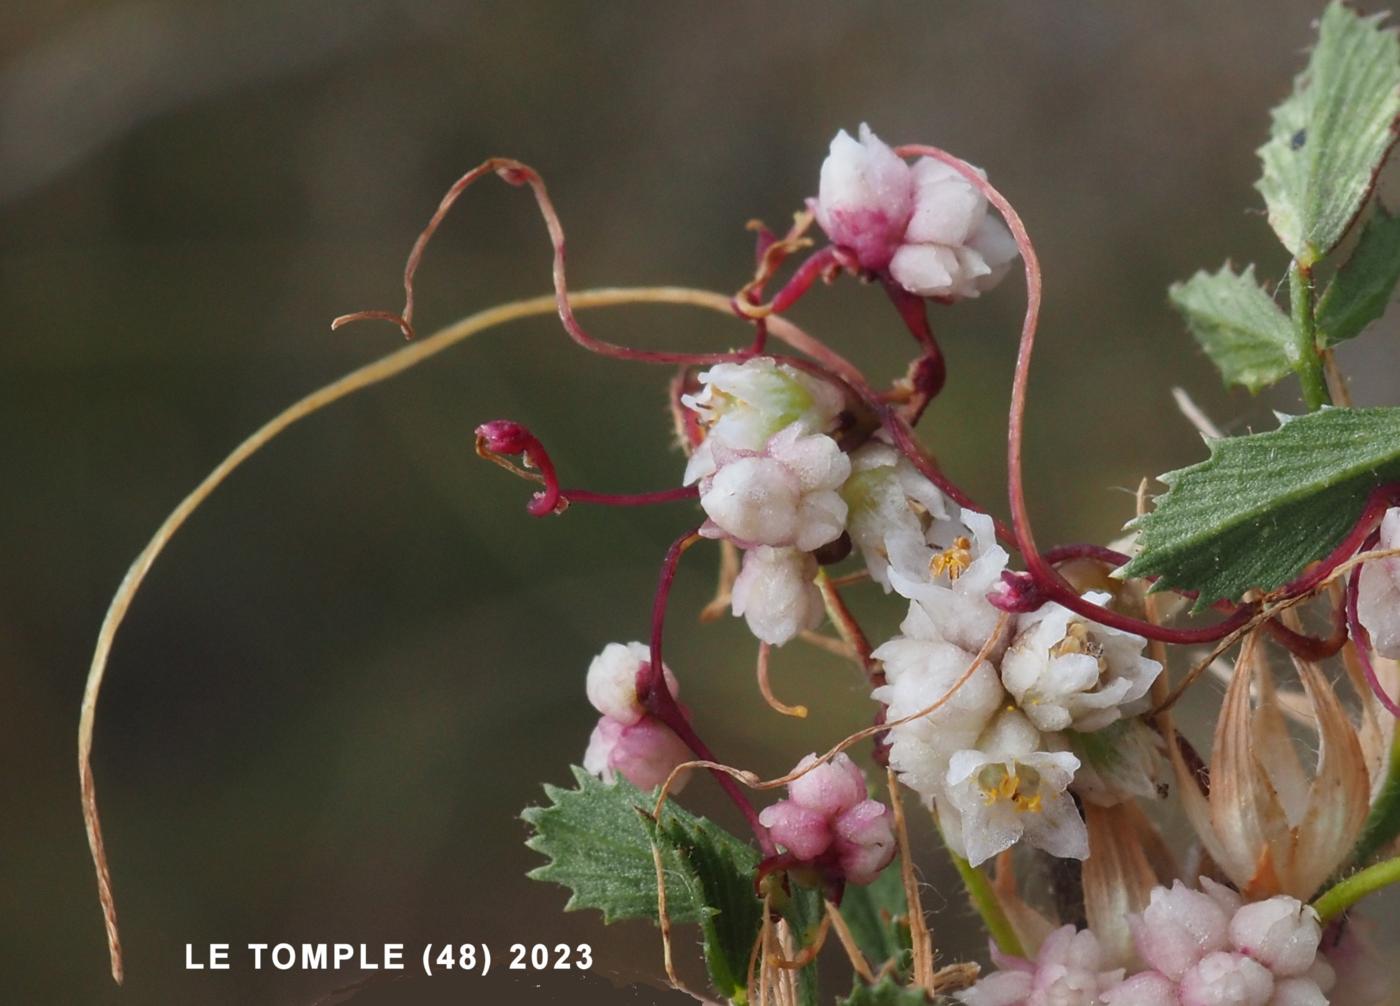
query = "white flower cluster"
x=925 y=223
x=769 y=475
x=999 y=756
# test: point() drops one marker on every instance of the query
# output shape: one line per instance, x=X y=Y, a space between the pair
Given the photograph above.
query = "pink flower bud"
x=1281 y=933
x=1147 y=989
x=644 y=753
x=1178 y=928
x=864 y=841
x=865 y=198
x=801 y=831
x=1225 y=979
x=831 y=788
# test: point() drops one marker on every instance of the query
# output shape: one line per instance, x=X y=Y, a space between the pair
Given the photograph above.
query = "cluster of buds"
x=628 y=741
x=1203 y=947
x=828 y=823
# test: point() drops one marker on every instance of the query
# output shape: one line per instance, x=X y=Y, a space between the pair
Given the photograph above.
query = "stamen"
x=953 y=560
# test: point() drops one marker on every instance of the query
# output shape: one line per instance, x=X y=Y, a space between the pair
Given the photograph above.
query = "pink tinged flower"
x=1146 y=989
x=827 y=815
x=1069 y=673
x=1378 y=594
x=1001 y=988
x=1067 y=971
x=864 y=841
x=865 y=197
x=801 y=831
x=644 y=753
x=776 y=593
x=1281 y=933
x=1006 y=792
x=612 y=681
x=784 y=496
x=953 y=248
x=830 y=788
x=1178 y=928
x=1226 y=979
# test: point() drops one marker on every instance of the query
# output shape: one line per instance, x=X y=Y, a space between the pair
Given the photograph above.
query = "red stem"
x=1047 y=579
x=655 y=693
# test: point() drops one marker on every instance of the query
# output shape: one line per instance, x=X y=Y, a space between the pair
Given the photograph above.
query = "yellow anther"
x=1077 y=640
x=953 y=560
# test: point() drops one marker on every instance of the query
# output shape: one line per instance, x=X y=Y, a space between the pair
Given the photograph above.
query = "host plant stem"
x=1307 y=362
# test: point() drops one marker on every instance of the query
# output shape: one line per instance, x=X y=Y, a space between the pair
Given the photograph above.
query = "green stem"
x=984 y=900
x=1383 y=823
x=1342 y=896
x=1307 y=362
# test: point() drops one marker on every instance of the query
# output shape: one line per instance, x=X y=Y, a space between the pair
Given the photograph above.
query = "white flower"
x=865 y=198
x=785 y=495
x=777 y=594
x=1068 y=970
x=1226 y=979
x=890 y=505
x=920 y=671
x=612 y=680
x=1069 y=673
x=1005 y=790
x=951 y=595
x=742 y=405
x=1281 y=933
x=953 y=247
x=1378 y=593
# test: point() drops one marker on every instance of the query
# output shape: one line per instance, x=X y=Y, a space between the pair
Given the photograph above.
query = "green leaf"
x=1362 y=288
x=877 y=914
x=885 y=993
x=724 y=868
x=599 y=848
x=1331 y=135
x=1239 y=326
x=1264 y=506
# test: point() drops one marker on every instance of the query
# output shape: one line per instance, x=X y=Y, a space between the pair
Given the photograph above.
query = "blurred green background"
x=358 y=662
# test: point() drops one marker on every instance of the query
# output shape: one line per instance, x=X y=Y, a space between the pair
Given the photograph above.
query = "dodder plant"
x=1027 y=702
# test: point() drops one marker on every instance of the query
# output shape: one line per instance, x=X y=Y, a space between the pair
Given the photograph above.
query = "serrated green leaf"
x=1363 y=286
x=886 y=992
x=1331 y=135
x=877 y=914
x=1239 y=326
x=599 y=848
x=1264 y=506
x=724 y=869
